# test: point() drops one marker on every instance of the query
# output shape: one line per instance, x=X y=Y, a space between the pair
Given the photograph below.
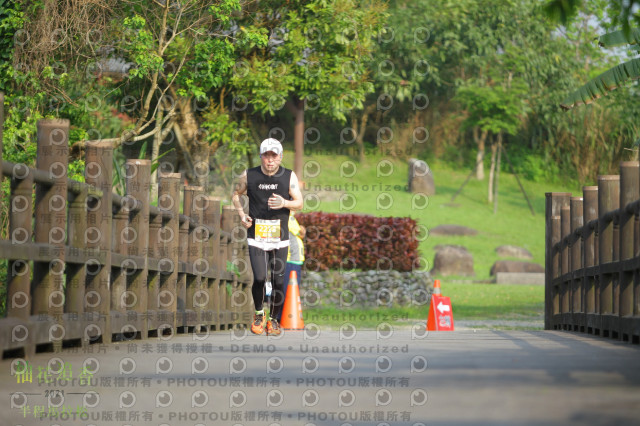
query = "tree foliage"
x=317 y=52
x=208 y=75
x=617 y=138
x=493 y=108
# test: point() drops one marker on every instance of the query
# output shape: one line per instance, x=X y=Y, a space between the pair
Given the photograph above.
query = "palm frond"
x=619 y=38
x=604 y=83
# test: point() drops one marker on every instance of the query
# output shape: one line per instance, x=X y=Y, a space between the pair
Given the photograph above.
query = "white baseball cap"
x=272 y=145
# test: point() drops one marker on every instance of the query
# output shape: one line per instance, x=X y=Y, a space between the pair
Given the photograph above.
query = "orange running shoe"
x=273 y=328
x=259 y=321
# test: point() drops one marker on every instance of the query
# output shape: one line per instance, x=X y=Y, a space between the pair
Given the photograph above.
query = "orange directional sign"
x=440 y=314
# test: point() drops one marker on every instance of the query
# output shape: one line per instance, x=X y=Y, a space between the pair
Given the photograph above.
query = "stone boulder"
x=453 y=260
x=421 y=178
x=514 y=251
x=515 y=266
x=448 y=230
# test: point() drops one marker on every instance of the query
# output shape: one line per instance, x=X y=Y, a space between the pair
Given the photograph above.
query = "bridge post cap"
x=138 y=162
x=557 y=194
x=590 y=188
x=630 y=164
x=99 y=143
x=53 y=122
x=608 y=177
x=576 y=199
x=169 y=175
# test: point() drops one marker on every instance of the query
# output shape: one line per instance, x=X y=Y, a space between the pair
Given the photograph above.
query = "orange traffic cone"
x=292 y=309
x=436 y=287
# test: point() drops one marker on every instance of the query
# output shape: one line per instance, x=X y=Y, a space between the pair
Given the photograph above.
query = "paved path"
x=405 y=377
x=501 y=324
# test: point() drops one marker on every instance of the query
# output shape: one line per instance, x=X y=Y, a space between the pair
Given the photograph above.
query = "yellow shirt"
x=296 y=246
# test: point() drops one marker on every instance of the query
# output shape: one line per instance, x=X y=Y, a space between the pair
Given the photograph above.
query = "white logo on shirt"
x=268 y=186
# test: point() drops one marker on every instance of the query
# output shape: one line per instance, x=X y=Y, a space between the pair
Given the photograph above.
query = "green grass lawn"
x=340 y=184
x=490 y=301
x=468 y=301
x=377 y=187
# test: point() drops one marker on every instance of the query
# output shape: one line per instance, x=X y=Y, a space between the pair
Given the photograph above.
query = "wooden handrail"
x=97 y=262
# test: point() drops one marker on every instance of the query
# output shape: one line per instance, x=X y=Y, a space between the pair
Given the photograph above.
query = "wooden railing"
x=593 y=258
x=86 y=265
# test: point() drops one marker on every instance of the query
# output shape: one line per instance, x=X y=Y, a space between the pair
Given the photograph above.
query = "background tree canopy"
x=195 y=85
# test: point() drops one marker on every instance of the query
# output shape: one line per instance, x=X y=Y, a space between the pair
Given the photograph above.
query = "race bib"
x=267 y=231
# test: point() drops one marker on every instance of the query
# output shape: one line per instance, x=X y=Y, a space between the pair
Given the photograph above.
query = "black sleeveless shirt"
x=259 y=189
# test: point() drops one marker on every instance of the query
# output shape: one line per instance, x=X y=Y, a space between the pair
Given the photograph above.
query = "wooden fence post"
x=181 y=289
x=19 y=299
x=119 y=273
x=239 y=260
x=576 y=208
x=169 y=202
x=556 y=263
x=194 y=296
x=590 y=250
x=554 y=201
x=199 y=239
x=75 y=265
x=244 y=292
x=76 y=272
x=629 y=192
x=50 y=227
x=211 y=253
x=138 y=181
x=227 y=249
x=608 y=201
x=565 y=293
x=153 y=278
x=98 y=237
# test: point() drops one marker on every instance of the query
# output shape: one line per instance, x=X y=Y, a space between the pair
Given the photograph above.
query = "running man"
x=273 y=192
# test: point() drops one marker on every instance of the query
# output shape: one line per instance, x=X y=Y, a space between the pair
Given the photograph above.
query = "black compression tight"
x=275 y=261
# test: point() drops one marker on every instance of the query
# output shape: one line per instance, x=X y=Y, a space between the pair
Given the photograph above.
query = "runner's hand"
x=275 y=202
x=246 y=221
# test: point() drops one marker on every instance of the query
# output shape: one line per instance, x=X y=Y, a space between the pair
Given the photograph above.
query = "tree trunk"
x=182 y=143
x=492 y=170
x=358 y=137
x=256 y=137
x=296 y=107
x=195 y=153
x=198 y=150
x=480 y=141
x=155 y=151
x=360 y=128
x=497 y=175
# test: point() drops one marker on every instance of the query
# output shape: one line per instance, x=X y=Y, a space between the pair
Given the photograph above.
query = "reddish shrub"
x=357 y=241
